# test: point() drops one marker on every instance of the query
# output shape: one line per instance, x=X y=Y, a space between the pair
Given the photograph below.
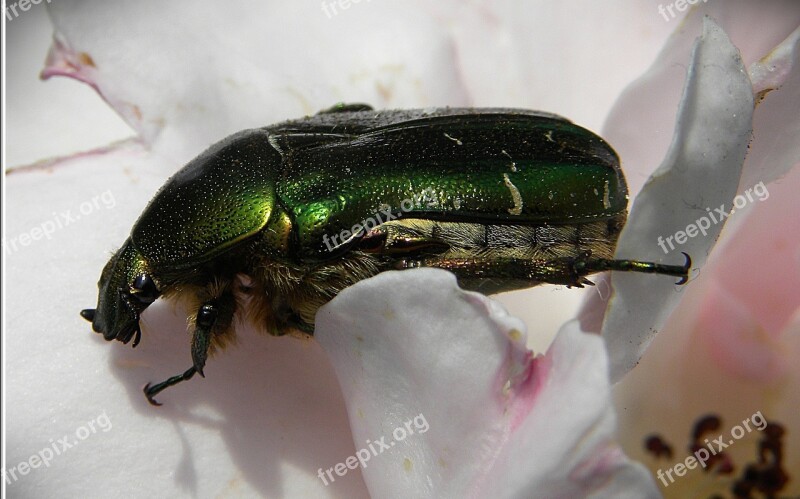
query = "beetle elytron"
x=503 y=198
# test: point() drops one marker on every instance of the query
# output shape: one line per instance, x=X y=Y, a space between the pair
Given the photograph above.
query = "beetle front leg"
x=201 y=339
x=212 y=318
x=151 y=391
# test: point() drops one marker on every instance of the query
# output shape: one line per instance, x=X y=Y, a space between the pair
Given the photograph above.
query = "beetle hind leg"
x=585 y=264
x=497 y=275
x=501 y=274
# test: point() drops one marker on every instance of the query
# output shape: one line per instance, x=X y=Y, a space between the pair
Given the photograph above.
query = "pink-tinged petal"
x=180 y=78
x=640 y=125
x=739 y=345
x=776 y=122
x=592 y=310
x=410 y=343
x=730 y=348
x=564 y=445
x=62 y=60
x=749 y=294
x=401 y=57
x=537 y=53
x=760 y=264
x=776 y=130
x=690 y=372
x=777 y=67
x=701 y=169
x=175 y=73
x=497 y=422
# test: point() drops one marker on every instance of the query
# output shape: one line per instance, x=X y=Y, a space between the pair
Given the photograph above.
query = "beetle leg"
x=289 y=322
x=569 y=271
x=201 y=339
x=212 y=317
x=204 y=324
x=585 y=264
x=394 y=240
x=151 y=391
x=200 y=342
x=552 y=271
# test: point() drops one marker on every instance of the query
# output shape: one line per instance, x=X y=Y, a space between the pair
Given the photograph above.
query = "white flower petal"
x=411 y=345
x=267 y=415
x=211 y=84
x=640 y=125
x=702 y=169
x=146 y=61
x=565 y=446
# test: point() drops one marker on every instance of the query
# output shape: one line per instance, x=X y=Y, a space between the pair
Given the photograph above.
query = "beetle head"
x=126 y=289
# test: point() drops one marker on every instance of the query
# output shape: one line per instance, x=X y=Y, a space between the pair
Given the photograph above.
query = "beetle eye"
x=144 y=289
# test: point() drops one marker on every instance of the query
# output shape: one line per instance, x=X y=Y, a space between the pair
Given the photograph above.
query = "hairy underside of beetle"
x=283 y=297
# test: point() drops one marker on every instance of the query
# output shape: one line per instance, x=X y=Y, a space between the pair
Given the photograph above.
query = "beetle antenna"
x=151 y=391
x=587 y=265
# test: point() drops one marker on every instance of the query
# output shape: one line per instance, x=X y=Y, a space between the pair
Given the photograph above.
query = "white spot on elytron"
x=454 y=139
x=515 y=195
x=549 y=136
x=513 y=165
x=273 y=141
x=606 y=201
x=457 y=203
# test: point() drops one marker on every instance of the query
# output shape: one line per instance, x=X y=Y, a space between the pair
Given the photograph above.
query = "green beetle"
x=293 y=213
